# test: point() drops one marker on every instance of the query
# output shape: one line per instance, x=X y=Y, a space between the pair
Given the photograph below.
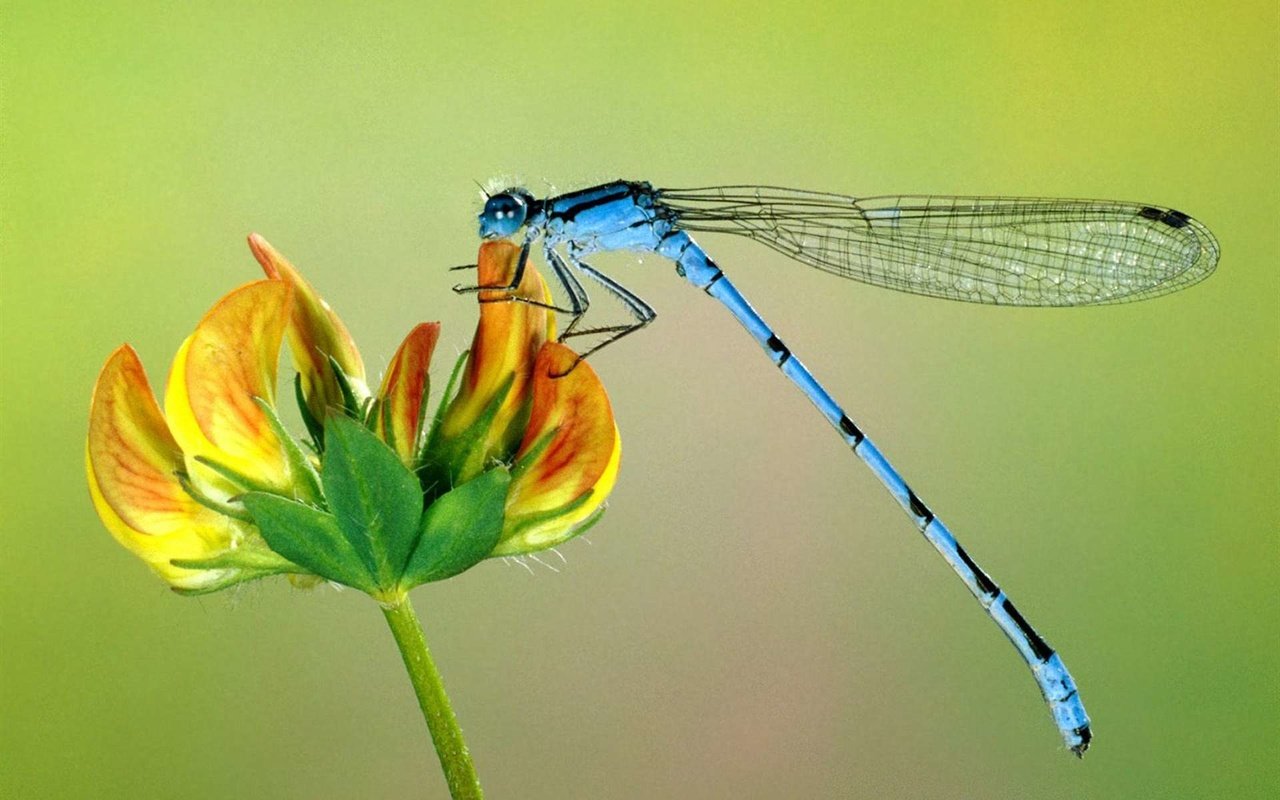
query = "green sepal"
x=445 y=399
x=517 y=529
x=235 y=478
x=246 y=564
x=376 y=499
x=232 y=579
x=378 y=418
x=590 y=522
x=349 y=401
x=419 y=445
x=459 y=530
x=527 y=460
x=310 y=538
x=223 y=508
x=573 y=533
x=463 y=457
x=306 y=482
x=314 y=426
x=250 y=558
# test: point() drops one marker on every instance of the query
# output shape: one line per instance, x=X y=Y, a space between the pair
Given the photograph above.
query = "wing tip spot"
x=1173 y=218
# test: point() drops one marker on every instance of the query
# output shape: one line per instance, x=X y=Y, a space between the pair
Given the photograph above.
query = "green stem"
x=445 y=733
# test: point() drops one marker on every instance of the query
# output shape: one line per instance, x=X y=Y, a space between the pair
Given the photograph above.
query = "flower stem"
x=445 y=733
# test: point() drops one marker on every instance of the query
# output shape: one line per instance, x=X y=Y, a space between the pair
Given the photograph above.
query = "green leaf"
x=309 y=538
x=459 y=529
x=375 y=498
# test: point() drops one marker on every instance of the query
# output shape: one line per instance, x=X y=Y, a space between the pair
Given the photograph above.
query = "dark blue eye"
x=502 y=216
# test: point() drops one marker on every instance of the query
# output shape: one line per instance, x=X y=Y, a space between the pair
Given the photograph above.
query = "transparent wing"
x=995 y=250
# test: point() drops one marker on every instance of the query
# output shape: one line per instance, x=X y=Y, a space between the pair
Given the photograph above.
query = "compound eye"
x=502 y=216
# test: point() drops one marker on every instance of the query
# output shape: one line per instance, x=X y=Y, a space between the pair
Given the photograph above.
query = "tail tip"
x=1083 y=736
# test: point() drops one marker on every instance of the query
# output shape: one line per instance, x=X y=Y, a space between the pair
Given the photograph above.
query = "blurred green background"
x=754 y=617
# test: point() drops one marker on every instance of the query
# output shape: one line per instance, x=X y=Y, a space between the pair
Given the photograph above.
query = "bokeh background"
x=755 y=618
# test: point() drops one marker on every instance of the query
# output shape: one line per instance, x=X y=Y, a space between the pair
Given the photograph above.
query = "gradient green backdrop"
x=754 y=618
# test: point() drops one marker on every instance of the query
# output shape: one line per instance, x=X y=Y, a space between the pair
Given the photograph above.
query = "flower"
x=492 y=404
x=568 y=461
x=526 y=395
x=133 y=466
x=215 y=490
x=316 y=335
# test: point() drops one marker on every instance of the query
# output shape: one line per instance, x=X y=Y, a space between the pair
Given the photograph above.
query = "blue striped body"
x=997 y=250
x=1055 y=682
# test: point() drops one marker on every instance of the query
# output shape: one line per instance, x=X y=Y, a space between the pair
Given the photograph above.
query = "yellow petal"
x=315 y=334
x=131 y=460
x=401 y=395
x=507 y=340
x=228 y=361
x=545 y=500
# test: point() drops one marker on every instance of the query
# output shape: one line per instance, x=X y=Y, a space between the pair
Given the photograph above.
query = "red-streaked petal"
x=131 y=460
x=580 y=459
x=506 y=342
x=402 y=390
x=228 y=361
x=315 y=334
x=130 y=447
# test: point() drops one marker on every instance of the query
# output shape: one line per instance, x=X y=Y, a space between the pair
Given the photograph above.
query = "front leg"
x=508 y=290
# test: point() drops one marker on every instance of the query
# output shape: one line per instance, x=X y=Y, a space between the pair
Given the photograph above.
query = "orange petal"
x=581 y=458
x=402 y=390
x=131 y=461
x=315 y=334
x=505 y=345
x=228 y=361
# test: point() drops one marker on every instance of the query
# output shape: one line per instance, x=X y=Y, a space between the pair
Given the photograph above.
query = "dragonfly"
x=991 y=250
